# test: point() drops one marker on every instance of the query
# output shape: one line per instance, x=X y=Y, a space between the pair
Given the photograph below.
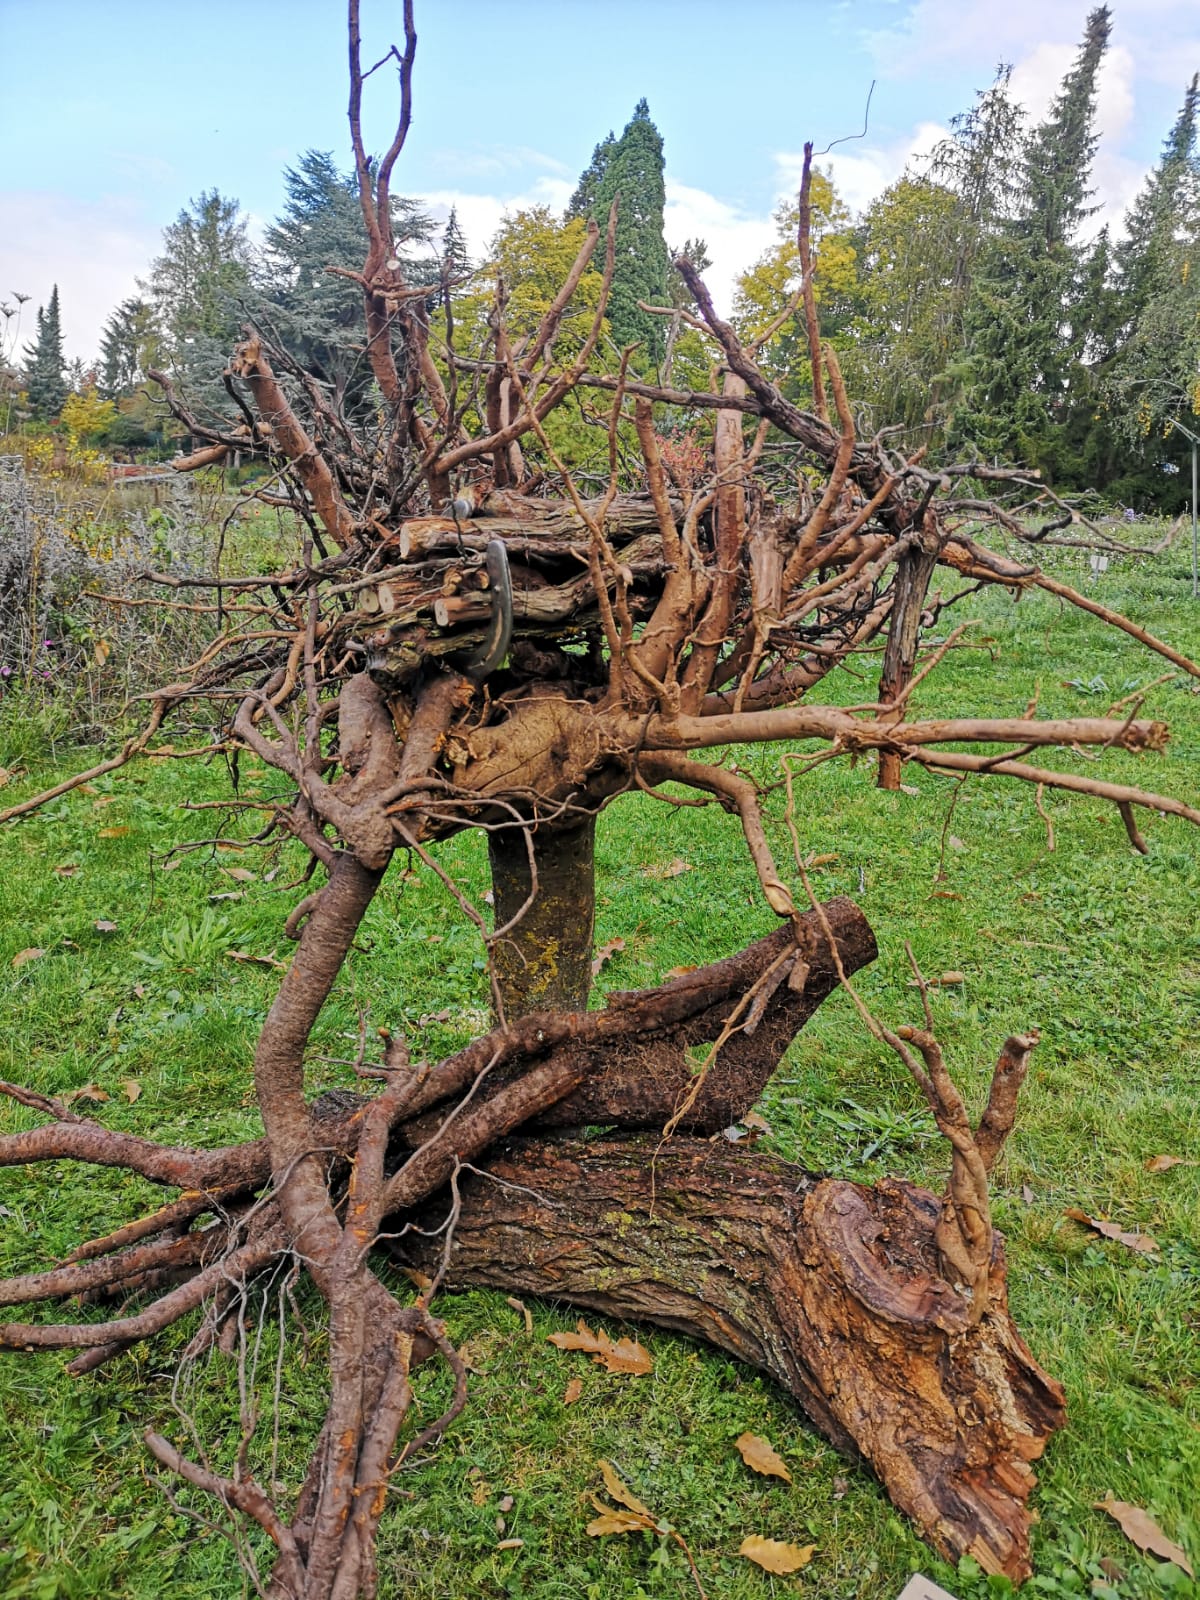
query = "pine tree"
x=1024 y=329
x=45 y=381
x=632 y=167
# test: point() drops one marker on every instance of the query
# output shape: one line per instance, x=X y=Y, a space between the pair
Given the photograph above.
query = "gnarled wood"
x=832 y=1288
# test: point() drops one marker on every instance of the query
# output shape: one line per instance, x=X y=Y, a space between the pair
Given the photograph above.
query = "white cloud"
x=735 y=239
x=865 y=171
x=480 y=214
x=94 y=251
x=495 y=160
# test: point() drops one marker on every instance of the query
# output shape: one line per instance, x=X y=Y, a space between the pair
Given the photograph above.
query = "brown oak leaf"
x=760 y=1456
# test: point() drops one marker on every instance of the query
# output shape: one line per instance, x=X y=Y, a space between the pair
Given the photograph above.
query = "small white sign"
x=919 y=1587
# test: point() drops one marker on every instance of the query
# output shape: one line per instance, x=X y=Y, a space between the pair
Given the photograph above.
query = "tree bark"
x=832 y=1288
x=544 y=962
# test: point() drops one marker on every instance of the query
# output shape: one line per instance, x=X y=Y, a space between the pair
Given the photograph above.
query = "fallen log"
x=831 y=1288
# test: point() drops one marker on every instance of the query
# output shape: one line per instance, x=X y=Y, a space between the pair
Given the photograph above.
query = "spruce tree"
x=1145 y=256
x=632 y=167
x=45 y=382
x=1153 y=373
x=455 y=255
x=1024 y=320
x=125 y=344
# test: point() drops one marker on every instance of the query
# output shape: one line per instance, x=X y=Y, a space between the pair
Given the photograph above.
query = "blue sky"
x=114 y=112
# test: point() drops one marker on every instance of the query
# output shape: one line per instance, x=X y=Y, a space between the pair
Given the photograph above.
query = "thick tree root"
x=832 y=1288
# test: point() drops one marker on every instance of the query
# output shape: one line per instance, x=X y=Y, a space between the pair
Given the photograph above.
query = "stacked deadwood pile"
x=471 y=643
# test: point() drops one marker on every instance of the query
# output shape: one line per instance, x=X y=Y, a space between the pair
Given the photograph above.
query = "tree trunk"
x=544 y=963
x=832 y=1288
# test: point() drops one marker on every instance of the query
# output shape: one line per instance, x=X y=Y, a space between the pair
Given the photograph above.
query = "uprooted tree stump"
x=471 y=642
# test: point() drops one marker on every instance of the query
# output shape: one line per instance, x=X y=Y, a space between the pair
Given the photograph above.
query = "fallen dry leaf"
x=519 y=1305
x=511 y=1544
x=67 y=869
x=1142 y=1242
x=948 y=980
x=1165 y=1163
x=254 y=961
x=102 y=925
x=22 y=956
x=90 y=1091
x=605 y=953
x=634 y=1518
x=131 y=1089
x=755 y=1121
x=621 y=1491
x=572 y=1392
x=673 y=869
x=241 y=874
x=955 y=842
x=774 y=1555
x=1141 y=1528
x=111 y=833
x=678 y=972
x=102 y=650
x=759 y=1456
x=812 y=862
x=612 y=1521
x=5 y=775
x=626 y=1355
x=1027 y=1194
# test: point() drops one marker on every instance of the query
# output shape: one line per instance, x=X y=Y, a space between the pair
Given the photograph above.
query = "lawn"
x=1096 y=945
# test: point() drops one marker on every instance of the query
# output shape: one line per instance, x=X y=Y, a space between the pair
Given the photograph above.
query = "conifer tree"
x=197 y=289
x=454 y=246
x=318 y=314
x=126 y=348
x=632 y=167
x=1154 y=370
x=45 y=380
x=1024 y=318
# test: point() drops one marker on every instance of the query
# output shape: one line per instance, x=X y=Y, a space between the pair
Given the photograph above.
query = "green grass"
x=1097 y=946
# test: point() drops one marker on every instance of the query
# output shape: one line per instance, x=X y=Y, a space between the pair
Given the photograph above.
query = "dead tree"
x=473 y=642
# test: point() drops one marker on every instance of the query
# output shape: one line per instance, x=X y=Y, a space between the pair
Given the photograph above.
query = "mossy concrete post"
x=544 y=963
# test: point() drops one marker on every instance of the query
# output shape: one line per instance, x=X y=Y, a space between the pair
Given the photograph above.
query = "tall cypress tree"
x=632 y=167
x=45 y=382
x=1024 y=320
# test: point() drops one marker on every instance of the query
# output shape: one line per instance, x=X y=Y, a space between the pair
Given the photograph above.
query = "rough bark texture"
x=544 y=963
x=831 y=1288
